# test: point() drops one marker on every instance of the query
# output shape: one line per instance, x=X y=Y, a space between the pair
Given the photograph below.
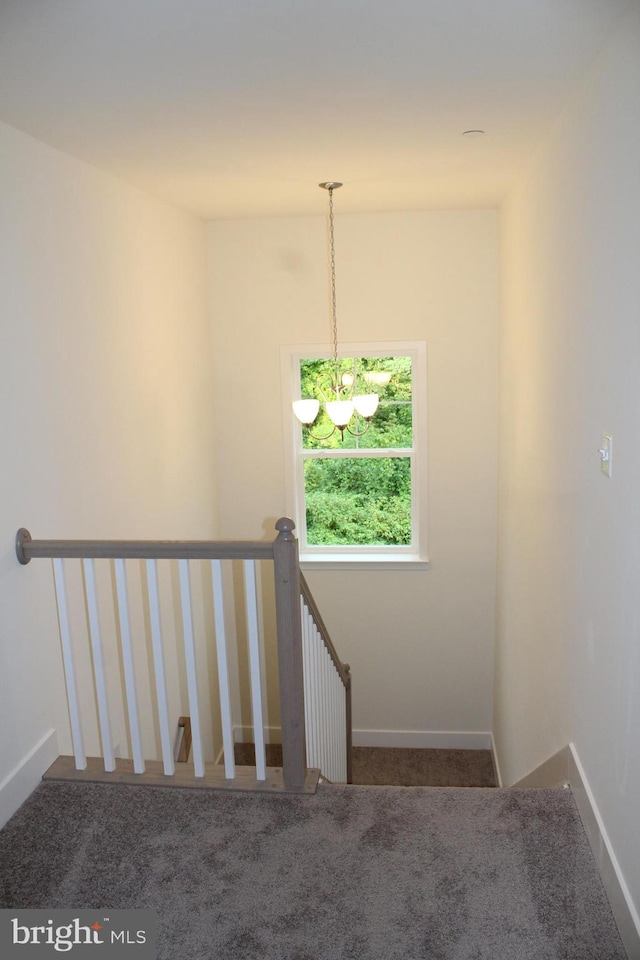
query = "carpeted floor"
x=402 y=767
x=353 y=873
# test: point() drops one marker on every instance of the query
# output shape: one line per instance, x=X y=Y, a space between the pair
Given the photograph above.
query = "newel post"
x=289 y=627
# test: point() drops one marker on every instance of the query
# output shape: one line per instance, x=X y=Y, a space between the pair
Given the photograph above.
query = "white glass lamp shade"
x=347 y=379
x=306 y=410
x=366 y=404
x=340 y=412
x=378 y=377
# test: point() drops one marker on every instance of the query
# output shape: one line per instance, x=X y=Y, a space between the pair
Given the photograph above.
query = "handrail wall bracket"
x=22 y=536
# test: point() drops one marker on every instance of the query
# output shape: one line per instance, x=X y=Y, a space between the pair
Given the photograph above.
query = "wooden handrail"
x=27 y=549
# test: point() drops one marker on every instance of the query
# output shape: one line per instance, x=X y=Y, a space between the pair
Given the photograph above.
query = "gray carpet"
x=401 y=766
x=354 y=873
x=408 y=767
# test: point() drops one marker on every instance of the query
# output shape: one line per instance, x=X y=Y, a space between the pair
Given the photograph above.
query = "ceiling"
x=239 y=108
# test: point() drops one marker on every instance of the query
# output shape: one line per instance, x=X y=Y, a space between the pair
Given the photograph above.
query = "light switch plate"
x=606 y=454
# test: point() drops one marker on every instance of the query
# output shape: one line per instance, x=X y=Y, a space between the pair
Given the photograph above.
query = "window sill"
x=359 y=561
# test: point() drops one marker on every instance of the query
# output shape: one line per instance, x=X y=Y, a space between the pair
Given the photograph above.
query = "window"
x=361 y=498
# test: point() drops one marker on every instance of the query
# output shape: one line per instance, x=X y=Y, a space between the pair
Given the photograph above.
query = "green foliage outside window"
x=364 y=501
x=361 y=500
x=391 y=426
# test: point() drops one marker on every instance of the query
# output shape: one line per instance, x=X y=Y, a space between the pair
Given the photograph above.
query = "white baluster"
x=325 y=703
x=158 y=664
x=330 y=714
x=342 y=728
x=304 y=619
x=190 y=662
x=127 y=662
x=320 y=702
x=329 y=669
x=342 y=739
x=251 y=598
x=342 y=735
x=326 y=713
x=320 y=706
x=313 y=684
x=223 y=670
x=334 y=738
x=315 y=689
x=69 y=669
x=317 y=672
x=98 y=664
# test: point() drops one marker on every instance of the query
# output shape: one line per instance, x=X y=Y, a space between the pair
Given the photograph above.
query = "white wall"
x=104 y=385
x=420 y=643
x=568 y=654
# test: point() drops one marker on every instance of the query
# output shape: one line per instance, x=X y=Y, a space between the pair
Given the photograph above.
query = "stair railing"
x=295 y=776
x=327 y=696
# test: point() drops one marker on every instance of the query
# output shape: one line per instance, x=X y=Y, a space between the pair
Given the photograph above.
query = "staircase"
x=402 y=767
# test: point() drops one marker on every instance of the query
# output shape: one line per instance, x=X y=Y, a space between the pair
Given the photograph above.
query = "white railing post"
x=158 y=665
x=98 y=665
x=190 y=660
x=69 y=669
x=223 y=670
x=251 y=599
x=128 y=664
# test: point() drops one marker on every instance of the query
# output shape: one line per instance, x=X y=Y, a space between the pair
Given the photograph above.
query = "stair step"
x=401 y=766
x=422 y=767
x=245 y=754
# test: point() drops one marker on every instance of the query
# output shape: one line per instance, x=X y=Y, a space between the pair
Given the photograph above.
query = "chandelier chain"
x=307 y=410
x=332 y=251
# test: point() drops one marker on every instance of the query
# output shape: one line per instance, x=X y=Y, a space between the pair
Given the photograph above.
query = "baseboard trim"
x=423 y=739
x=245 y=735
x=554 y=772
x=25 y=777
x=420 y=739
x=624 y=910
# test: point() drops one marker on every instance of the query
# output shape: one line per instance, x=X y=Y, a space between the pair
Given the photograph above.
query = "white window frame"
x=385 y=556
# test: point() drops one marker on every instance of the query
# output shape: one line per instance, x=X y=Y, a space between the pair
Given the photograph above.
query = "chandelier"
x=338 y=390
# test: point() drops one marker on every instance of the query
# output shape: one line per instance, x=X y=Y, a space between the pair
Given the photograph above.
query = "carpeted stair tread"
x=245 y=754
x=352 y=873
x=401 y=766
x=409 y=767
